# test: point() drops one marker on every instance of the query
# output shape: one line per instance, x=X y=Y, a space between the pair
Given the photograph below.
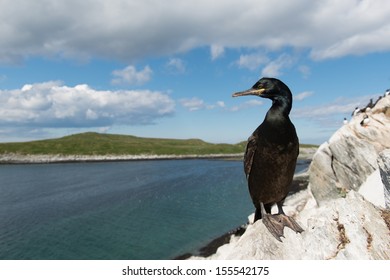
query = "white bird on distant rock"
x=357 y=110
x=365 y=121
x=345 y=121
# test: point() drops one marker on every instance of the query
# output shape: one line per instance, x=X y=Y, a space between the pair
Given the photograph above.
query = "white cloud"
x=305 y=71
x=363 y=28
x=195 y=104
x=303 y=95
x=221 y=104
x=216 y=51
x=252 y=61
x=176 y=65
x=274 y=68
x=131 y=76
x=52 y=104
x=339 y=106
x=356 y=44
x=127 y=30
x=192 y=104
x=246 y=105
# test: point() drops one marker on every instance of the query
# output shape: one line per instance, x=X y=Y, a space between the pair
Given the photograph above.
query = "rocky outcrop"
x=346 y=228
x=384 y=168
x=343 y=211
x=350 y=156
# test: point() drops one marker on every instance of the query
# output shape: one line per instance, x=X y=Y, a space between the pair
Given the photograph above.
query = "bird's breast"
x=274 y=162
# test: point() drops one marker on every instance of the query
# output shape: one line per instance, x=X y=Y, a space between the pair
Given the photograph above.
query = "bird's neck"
x=278 y=123
x=280 y=109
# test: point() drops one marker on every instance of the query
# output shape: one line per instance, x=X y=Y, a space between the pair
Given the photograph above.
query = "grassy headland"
x=112 y=144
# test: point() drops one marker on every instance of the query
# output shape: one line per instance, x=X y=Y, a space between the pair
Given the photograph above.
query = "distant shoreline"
x=44 y=159
x=306 y=153
x=13 y=158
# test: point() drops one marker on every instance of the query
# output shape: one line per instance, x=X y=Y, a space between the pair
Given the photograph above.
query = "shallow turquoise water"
x=118 y=210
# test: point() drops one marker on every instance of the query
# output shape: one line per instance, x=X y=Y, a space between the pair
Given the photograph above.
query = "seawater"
x=118 y=210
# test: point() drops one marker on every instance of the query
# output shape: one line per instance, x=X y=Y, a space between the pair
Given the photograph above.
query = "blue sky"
x=168 y=68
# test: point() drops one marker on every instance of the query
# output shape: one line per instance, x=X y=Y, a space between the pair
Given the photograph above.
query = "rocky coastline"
x=13 y=158
x=344 y=210
x=37 y=159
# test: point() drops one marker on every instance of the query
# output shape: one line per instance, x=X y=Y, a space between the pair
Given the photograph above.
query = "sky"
x=167 y=69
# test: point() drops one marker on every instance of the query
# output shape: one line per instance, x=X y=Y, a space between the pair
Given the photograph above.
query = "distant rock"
x=350 y=156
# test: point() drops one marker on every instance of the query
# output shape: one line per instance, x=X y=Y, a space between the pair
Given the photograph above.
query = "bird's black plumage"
x=271 y=155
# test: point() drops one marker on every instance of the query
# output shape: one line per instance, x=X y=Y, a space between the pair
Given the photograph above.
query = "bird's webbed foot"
x=276 y=223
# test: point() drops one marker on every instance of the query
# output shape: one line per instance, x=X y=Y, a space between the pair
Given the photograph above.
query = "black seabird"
x=271 y=155
x=369 y=106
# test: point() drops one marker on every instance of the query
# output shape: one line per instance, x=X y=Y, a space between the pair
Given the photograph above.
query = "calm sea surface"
x=118 y=210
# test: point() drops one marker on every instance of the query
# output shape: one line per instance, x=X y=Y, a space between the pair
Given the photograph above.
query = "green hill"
x=111 y=144
x=91 y=143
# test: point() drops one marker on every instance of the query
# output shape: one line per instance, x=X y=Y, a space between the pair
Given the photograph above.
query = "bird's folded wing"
x=249 y=154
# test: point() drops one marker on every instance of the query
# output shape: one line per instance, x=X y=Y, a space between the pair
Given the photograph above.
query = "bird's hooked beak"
x=252 y=91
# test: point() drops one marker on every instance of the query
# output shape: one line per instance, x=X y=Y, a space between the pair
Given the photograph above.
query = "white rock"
x=346 y=228
x=350 y=156
x=384 y=168
x=372 y=189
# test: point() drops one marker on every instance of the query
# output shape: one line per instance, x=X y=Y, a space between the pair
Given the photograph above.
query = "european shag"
x=370 y=104
x=271 y=155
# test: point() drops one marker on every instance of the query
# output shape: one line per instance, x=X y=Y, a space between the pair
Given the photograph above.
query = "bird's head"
x=273 y=89
x=268 y=88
